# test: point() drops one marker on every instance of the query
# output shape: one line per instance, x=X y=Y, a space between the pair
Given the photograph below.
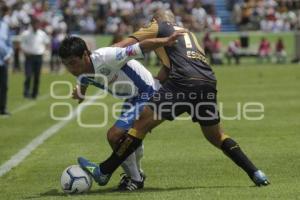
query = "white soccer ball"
x=75 y=180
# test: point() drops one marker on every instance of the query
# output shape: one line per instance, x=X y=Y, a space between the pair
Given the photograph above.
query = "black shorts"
x=199 y=102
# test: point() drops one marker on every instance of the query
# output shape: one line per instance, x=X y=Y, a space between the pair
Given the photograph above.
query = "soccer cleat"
x=260 y=179
x=124 y=181
x=128 y=184
x=94 y=170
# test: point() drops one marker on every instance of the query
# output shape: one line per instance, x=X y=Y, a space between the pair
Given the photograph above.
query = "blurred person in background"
x=264 y=50
x=87 y=24
x=234 y=51
x=200 y=14
x=33 y=43
x=5 y=53
x=213 y=21
x=207 y=45
x=280 y=52
x=217 y=52
x=55 y=43
x=17 y=18
x=7 y=18
x=16 y=56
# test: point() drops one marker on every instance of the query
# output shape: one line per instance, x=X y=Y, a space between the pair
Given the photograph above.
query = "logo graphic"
x=91 y=169
x=130 y=51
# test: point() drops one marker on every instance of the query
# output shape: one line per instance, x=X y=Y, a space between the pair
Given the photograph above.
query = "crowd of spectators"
x=236 y=49
x=107 y=16
x=266 y=15
x=125 y=16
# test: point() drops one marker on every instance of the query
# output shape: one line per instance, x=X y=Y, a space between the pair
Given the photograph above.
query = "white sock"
x=139 y=153
x=130 y=167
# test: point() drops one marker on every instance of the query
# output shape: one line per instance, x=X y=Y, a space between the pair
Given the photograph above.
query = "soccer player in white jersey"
x=104 y=68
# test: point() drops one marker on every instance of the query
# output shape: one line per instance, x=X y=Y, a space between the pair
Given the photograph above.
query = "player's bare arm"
x=154 y=43
x=163 y=74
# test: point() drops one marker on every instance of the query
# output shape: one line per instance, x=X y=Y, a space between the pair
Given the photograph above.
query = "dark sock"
x=234 y=152
x=126 y=146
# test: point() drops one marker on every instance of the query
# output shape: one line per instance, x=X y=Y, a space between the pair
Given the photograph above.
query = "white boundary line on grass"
x=16 y=159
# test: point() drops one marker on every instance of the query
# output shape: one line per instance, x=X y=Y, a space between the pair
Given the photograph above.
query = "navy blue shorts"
x=200 y=102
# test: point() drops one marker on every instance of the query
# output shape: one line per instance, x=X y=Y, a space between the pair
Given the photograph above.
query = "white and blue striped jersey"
x=117 y=72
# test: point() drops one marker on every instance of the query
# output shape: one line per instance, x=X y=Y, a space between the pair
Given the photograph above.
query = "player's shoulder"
x=149 y=24
x=101 y=50
x=148 y=30
x=97 y=56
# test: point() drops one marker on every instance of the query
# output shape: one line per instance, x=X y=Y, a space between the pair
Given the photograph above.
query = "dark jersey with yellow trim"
x=186 y=59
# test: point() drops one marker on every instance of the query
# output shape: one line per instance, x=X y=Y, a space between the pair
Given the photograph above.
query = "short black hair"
x=72 y=46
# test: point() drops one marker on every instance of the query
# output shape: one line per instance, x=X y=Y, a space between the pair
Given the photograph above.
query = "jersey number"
x=188 y=40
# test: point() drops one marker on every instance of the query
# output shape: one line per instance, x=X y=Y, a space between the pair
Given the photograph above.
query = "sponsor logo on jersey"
x=130 y=51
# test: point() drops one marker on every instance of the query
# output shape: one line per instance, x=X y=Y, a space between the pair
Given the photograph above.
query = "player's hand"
x=172 y=39
x=79 y=93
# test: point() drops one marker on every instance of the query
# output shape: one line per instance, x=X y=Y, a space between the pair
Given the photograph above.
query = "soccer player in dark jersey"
x=189 y=86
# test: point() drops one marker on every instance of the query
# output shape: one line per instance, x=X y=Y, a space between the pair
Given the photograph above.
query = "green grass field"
x=179 y=162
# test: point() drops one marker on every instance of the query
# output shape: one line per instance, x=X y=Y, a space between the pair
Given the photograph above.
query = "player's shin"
x=130 y=167
x=235 y=153
x=126 y=145
x=139 y=153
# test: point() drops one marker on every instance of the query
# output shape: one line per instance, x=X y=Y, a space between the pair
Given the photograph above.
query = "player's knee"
x=214 y=134
x=113 y=135
x=141 y=128
x=138 y=126
x=143 y=124
x=214 y=139
x=110 y=136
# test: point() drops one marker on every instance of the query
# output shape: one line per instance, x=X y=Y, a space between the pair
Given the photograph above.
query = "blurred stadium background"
x=220 y=24
x=227 y=29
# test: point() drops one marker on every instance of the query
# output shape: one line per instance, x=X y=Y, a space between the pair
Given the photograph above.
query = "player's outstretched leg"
x=215 y=135
x=125 y=146
x=235 y=153
x=132 y=179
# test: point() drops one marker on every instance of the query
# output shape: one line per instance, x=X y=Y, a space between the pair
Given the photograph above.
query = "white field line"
x=29 y=104
x=16 y=159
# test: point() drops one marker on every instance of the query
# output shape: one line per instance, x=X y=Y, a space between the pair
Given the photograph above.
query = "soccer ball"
x=75 y=180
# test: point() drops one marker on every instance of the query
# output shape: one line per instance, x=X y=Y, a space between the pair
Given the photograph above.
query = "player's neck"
x=90 y=67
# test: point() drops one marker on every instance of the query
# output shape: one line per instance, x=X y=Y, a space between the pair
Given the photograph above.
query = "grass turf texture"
x=179 y=162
